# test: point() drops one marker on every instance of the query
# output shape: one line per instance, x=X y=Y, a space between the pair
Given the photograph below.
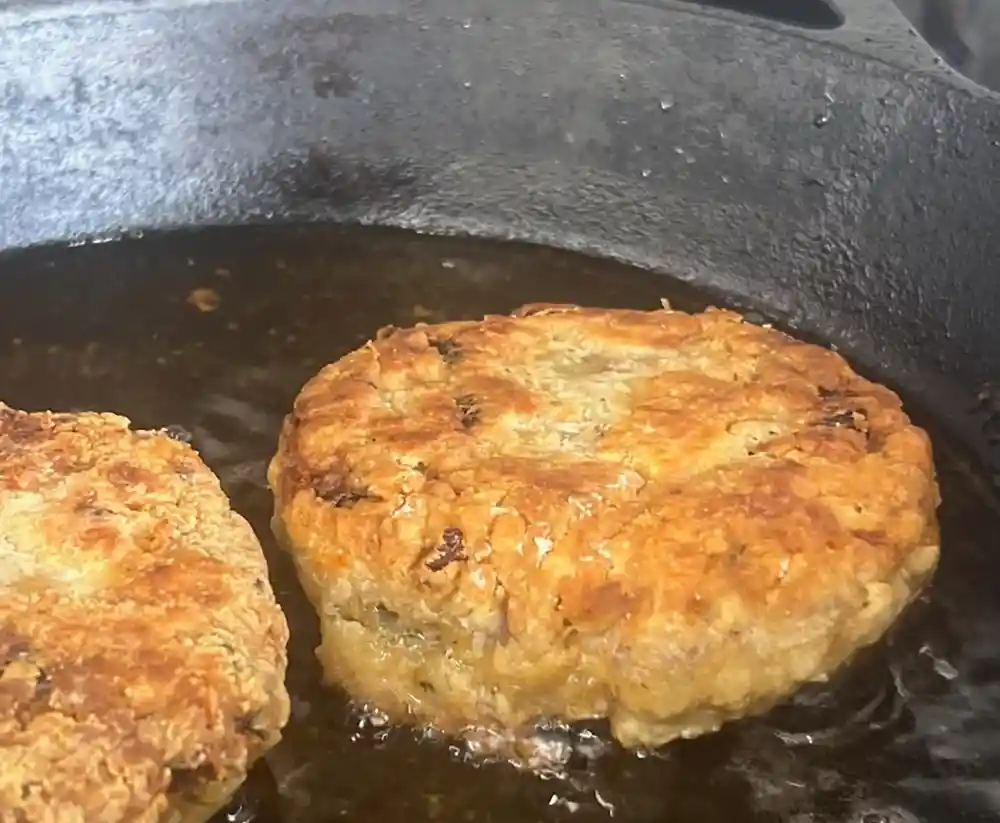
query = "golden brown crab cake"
x=142 y=653
x=662 y=518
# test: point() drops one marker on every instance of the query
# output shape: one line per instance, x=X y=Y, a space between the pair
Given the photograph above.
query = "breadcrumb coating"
x=142 y=653
x=661 y=518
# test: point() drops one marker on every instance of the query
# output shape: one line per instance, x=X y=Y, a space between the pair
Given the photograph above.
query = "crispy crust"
x=142 y=653
x=662 y=518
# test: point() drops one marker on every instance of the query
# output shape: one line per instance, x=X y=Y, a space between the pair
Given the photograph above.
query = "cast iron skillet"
x=838 y=181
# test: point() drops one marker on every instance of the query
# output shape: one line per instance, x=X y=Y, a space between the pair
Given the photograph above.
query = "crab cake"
x=665 y=519
x=142 y=653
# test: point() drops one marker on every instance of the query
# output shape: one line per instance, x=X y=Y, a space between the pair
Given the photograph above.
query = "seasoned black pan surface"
x=214 y=331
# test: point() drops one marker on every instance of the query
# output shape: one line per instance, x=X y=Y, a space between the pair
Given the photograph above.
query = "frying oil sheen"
x=213 y=332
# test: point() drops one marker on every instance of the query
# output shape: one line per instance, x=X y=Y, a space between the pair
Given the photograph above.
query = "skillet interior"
x=909 y=733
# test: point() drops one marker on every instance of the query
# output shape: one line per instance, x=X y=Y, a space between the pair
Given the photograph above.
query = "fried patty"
x=142 y=653
x=665 y=519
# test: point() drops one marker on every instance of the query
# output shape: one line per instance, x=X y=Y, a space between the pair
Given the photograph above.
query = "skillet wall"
x=844 y=182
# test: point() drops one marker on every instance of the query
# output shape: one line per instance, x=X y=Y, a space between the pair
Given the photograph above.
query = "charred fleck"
x=451 y=550
x=427 y=471
x=345 y=498
x=336 y=489
x=43 y=685
x=247 y=724
x=450 y=351
x=468 y=410
x=843 y=418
